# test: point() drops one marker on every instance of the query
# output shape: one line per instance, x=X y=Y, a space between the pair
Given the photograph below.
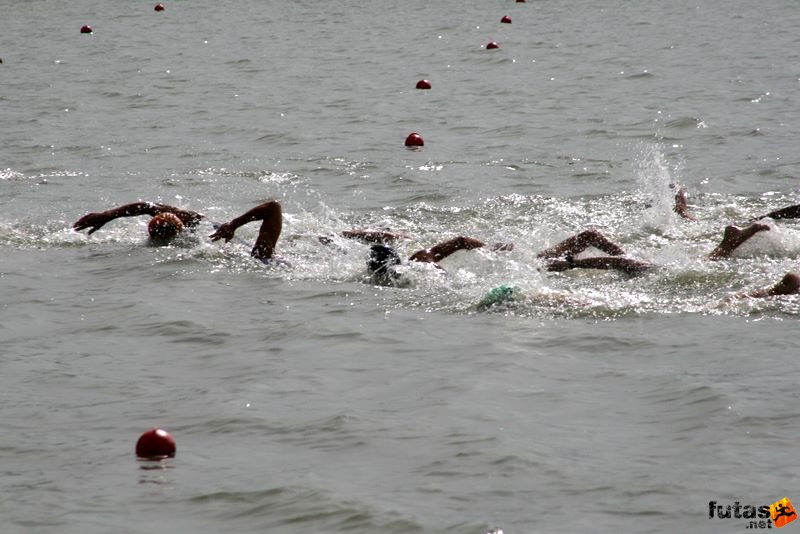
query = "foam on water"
x=642 y=221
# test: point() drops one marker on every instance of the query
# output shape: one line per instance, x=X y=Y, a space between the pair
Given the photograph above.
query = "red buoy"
x=492 y=46
x=423 y=84
x=506 y=20
x=86 y=29
x=159 y=7
x=414 y=139
x=155 y=444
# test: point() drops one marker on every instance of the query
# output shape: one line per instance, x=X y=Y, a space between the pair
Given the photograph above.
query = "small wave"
x=639 y=76
x=8 y=174
x=684 y=122
x=264 y=176
x=292 y=508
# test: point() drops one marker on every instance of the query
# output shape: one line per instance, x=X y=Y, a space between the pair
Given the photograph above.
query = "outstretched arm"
x=682 y=206
x=788 y=285
x=439 y=252
x=374 y=236
x=627 y=265
x=790 y=212
x=578 y=243
x=271 y=215
x=95 y=221
x=733 y=238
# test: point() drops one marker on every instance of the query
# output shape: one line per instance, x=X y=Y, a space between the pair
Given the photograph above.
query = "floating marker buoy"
x=423 y=84
x=159 y=7
x=414 y=139
x=492 y=46
x=86 y=29
x=506 y=20
x=155 y=444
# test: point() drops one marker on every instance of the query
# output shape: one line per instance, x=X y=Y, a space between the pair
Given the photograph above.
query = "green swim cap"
x=498 y=295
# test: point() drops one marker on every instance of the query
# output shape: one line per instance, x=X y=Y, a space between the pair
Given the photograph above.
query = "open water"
x=304 y=399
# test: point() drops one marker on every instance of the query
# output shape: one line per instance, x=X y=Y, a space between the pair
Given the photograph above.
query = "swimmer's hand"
x=93 y=221
x=224 y=231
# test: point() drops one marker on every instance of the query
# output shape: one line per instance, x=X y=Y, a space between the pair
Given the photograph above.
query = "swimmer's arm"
x=270 y=210
x=788 y=285
x=271 y=214
x=627 y=265
x=733 y=238
x=374 y=236
x=682 y=206
x=188 y=217
x=442 y=250
x=790 y=212
x=95 y=221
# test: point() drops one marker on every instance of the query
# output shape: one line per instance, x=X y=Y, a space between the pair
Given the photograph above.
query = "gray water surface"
x=305 y=399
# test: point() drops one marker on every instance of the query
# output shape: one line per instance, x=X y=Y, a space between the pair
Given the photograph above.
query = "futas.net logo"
x=776 y=515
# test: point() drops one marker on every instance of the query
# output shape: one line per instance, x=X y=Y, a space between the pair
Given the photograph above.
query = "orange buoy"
x=155 y=444
x=414 y=139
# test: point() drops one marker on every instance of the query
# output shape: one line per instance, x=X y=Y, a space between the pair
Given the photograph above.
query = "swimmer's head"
x=164 y=226
x=382 y=260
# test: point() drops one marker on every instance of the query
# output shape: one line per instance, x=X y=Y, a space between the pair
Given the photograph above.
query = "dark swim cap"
x=382 y=259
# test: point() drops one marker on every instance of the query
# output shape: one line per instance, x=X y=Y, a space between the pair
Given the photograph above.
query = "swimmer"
x=381 y=236
x=789 y=212
x=383 y=259
x=166 y=223
x=682 y=208
x=734 y=237
x=572 y=246
x=788 y=285
x=682 y=205
x=271 y=216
